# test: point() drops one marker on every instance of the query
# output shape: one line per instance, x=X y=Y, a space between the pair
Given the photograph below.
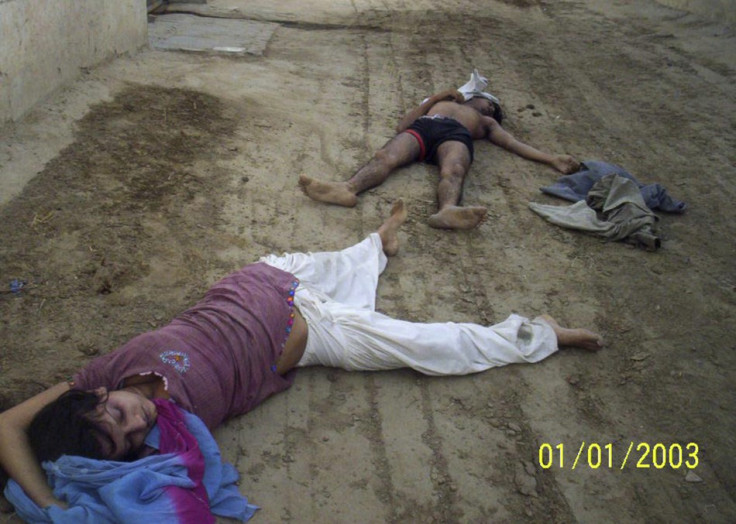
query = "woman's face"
x=124 y=418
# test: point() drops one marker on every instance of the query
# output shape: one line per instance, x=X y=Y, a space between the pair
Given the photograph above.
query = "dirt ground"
x=125 y=195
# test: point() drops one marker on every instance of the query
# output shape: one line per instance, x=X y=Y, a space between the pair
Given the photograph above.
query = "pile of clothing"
x=610 y=203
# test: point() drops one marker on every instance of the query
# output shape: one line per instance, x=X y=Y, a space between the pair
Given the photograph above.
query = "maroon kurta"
x=218 y=359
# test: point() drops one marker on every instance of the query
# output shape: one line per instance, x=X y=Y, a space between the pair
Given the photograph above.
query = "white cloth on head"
x=476 y=87
x=337 y=295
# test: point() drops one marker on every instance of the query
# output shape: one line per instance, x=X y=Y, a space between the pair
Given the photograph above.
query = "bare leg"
x=390 y=227
x=577 y=337
x=454 y=162
x=400 y=150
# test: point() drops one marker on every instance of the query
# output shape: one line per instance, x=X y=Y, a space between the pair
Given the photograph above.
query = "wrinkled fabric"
x=575 y=187
x=186 y=483
x=337 y=299
x=614 y=209
x=433 y=131
x=476 y=87
x=225 y=347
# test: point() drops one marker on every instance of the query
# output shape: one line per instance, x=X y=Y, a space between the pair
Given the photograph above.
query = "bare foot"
x=390 y=227
x=456 y=217
x=579 y=338
x=329 y=192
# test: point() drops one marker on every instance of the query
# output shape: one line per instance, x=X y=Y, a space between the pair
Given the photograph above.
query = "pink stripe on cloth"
x=192 y=504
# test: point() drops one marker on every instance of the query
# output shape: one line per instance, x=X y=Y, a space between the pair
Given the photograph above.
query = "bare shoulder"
x=485 y=126
x=491 y=123
x=493 y=126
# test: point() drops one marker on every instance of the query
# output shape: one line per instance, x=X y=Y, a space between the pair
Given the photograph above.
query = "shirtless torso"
x=453 y=157
x=478 y=125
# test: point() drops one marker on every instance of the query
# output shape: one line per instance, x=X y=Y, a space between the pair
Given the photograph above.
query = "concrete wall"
x=717 y=10
x=44 y=43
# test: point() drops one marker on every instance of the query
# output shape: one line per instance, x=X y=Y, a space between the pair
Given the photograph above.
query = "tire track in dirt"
x=601 y=119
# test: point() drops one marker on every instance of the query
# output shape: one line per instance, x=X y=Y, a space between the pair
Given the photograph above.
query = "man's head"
x=93 y=424
x=486 y=107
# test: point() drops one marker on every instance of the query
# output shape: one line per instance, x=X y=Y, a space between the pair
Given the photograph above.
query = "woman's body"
x=335 y=291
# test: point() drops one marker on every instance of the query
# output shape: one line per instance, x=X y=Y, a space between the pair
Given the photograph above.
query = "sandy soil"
x=128 y=193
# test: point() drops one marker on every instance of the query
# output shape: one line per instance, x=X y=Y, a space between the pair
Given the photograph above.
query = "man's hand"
x=455 y=96
x=565 y=164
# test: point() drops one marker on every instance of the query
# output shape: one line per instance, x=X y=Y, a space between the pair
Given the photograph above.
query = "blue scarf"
x=186 y=483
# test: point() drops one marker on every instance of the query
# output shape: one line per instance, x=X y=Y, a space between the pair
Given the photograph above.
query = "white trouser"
x=337 y=295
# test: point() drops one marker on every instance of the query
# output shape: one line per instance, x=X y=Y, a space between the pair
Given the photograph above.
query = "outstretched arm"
x=421 y=110
x=16 y=455
x=498 y=135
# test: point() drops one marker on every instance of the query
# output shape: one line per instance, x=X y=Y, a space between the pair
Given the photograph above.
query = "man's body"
x=319 y=310
x=453 y=154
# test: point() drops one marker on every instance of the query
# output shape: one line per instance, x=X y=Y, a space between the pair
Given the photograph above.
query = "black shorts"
x=433 y=131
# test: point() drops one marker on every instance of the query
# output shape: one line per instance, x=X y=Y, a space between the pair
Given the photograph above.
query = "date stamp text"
x=638 y=455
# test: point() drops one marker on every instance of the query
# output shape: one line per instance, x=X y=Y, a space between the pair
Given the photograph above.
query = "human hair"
x=497 y=112
x=66 y=427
